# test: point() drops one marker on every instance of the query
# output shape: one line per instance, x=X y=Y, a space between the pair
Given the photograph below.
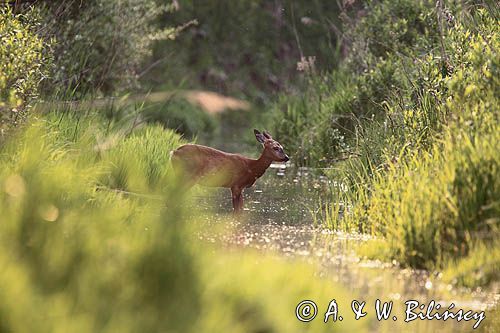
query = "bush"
x=389 y=27
x=181 y=116
x=384 y=39
x=23 y=64
x=101 y=45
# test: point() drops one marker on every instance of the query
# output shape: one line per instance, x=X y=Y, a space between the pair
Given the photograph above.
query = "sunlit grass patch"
x=375 y=249
x=147 y=152
x=249 y=292
x=479 y=268
x=434 y=207
x=86 y=259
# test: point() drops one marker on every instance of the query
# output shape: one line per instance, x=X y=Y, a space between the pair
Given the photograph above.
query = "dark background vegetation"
x=247 y=48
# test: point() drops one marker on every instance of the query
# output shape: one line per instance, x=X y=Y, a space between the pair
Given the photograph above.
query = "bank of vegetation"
x=409 y=124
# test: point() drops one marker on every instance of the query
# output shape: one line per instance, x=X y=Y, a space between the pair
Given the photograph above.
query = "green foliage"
x=434 y=207
x=181 y=116
x=479 y=268
x=146 y=152
x=100 y=45
x=397 y=27
x=374 y=249
x=339 y=106
x=23 y=63
x=420 y=125
x=247 y=48
x=92 y=259
x=303 y=121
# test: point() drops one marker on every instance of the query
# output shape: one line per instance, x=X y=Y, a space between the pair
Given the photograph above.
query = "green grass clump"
x=375 y=249
x=84 y=259
x=479 y=268
x=311 y=126
x=147 y=152
x=181 y=116
x=434 y=207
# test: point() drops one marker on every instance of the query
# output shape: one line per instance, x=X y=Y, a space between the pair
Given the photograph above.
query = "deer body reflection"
x=211 y=167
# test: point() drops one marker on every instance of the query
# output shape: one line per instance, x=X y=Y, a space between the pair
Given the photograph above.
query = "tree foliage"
x=23 y=64
x=100 y=44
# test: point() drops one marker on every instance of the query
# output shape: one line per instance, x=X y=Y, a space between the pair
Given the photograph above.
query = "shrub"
x=385 y=38
x=181 y=116
x=385 y=28
x=23 y=64
x=100 y=44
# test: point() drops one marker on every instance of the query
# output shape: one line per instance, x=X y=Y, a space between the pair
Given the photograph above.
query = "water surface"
x=278 y=221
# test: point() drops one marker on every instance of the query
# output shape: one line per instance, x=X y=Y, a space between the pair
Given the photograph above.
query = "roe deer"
x=211 y=167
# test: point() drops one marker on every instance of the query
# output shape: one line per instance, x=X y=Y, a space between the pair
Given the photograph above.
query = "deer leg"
x=237 y=199
x=240 y=202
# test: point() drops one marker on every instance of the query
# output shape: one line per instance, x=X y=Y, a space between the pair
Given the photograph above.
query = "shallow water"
x=278 y=221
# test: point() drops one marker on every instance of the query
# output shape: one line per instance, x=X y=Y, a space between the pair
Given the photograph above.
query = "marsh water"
x=278 y=221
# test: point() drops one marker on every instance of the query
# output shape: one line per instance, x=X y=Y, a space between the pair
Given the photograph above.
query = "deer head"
x=272 y=148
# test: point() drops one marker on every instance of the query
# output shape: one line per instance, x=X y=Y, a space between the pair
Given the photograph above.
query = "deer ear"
x=267 y=135
x=259 y=136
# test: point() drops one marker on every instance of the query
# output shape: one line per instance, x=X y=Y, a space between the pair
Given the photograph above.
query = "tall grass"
x=313 y=125
x=435 y=207
x=420 y=159
x=147 y=152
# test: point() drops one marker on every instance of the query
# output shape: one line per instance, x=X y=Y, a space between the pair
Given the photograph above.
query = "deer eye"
x=276 y=148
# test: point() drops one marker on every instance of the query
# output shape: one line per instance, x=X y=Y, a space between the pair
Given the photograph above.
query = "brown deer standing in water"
x=211 y=167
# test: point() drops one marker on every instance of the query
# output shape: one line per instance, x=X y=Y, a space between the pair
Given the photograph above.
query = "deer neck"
x=260 y=165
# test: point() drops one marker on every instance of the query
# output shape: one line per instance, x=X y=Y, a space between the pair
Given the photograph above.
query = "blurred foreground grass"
x=94 y=237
